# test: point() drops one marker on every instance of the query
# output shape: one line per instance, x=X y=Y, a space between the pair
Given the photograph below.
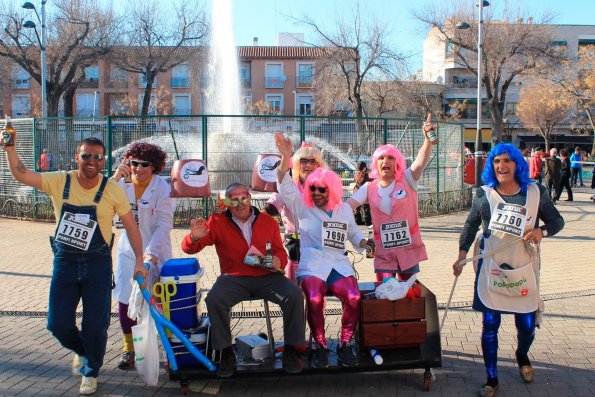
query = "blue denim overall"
x=85 y=275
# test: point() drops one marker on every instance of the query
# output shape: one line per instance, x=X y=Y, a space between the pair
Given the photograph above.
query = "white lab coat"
x=316 y=260
x=155 y=218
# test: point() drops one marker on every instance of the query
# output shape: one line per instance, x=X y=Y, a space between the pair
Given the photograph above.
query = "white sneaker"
x=77 y=364
x=88 y=386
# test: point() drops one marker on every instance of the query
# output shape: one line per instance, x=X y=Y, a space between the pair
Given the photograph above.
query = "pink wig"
x=324 y=177
x=388 y=150
x=305 y=151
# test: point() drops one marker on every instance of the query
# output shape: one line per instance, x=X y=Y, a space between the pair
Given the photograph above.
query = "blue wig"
x=521 y=170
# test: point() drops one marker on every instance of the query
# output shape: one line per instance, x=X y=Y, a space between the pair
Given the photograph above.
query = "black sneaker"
x=319 y=357
x=346 y=355
x=126 y=361
x=291 y=361
x=227 y=366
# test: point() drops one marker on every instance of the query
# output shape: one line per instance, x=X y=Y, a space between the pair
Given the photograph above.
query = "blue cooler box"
x=196 y=336
x=186 y=273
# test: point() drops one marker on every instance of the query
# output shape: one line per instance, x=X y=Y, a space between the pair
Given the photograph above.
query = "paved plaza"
x=33 y=363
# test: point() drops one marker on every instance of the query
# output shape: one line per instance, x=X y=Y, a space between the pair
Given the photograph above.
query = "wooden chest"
x=391 y=324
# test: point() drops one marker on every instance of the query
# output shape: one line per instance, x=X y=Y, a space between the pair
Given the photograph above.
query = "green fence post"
x=385 y=133
x=437 y=168
x=205 y=126
x=108 y=144
x=35 y=157
x=302 y=130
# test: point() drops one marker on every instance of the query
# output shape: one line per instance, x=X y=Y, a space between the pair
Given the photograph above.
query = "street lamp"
x=478 y=153
x=31 y=25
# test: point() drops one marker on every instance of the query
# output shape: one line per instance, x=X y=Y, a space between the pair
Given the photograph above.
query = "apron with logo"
x=509 y=278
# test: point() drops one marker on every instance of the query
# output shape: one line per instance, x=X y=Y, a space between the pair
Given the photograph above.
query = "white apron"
x=513 y=288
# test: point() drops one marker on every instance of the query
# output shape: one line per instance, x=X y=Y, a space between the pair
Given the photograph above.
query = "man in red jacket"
x=240 y=228
x=536 y=165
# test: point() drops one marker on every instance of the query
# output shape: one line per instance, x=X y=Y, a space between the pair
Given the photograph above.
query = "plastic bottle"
x=432 y=134
x=8 y=133
x=370 y=248
x=376 y=356
x=268 y=257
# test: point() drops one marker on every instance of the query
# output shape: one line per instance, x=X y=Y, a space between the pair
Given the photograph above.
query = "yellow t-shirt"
x=114 y=198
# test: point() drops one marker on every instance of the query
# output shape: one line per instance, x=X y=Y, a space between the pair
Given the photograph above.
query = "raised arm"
x=425 y=152
x=18 y=170
x=285 y=147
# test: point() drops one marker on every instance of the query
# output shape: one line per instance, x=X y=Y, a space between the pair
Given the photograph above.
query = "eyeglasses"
x=319 y=188
x=304 y=161
x=136 y=163
x=235 y=201
x=87 y=156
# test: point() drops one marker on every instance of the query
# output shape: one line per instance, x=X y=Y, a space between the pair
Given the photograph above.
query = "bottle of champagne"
x=370 y=248
x=268 y=257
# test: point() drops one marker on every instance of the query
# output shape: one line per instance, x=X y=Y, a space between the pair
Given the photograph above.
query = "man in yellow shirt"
x=85 y=203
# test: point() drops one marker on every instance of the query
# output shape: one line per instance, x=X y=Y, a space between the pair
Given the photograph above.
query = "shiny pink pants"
x=348 y=293
x=399 y=276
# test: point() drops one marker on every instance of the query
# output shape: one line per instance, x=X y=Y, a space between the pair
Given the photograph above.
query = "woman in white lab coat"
x=149 y=196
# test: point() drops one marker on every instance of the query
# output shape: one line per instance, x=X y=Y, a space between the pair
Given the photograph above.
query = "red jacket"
x=535 y=166
x=231 y=246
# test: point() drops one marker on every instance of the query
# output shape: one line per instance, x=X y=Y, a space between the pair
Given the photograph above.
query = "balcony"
x=92 y=82
x=245 y=83
x=463 y=83
x=118 y=85
x=181 y=111
x=304 y=82
x=274 y=82
x=180 y=82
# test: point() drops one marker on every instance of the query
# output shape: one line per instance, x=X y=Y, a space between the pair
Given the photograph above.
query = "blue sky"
x=265 y=18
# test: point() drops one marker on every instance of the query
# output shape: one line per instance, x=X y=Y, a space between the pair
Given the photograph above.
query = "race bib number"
x=395 y=235
x=118 y=222
x=76 y=230
x=509 y=218
x=334 y=235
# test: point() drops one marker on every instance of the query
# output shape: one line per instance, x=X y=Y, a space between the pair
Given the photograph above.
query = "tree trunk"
x=68 y=99
x=497 y=123
x=147 y=96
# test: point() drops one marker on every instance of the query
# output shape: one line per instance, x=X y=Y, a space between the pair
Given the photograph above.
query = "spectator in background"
x=43 y=164
x=565 y=179
x=576 y=167
x=536 y=166
x=527 y=155
x=553 y=174
x=361 y=176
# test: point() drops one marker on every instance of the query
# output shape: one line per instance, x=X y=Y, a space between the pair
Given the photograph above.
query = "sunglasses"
x=136 y=163
x=319 y=188
x=308 y=161
x=235 y=201
x=96 y=156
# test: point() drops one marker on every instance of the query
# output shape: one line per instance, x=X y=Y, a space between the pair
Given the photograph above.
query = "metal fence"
x=229 y=146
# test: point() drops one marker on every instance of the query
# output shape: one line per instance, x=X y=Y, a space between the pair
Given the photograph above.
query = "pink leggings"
x=346 y=290
x=400 y=277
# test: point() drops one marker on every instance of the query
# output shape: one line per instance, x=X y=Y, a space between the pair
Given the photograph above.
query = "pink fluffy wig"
x=324 y=177
x=388 y=150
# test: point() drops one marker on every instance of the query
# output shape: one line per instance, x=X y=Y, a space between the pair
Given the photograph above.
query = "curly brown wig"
x=147 y=152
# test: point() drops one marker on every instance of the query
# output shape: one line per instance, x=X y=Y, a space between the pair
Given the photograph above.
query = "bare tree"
x=158 y=37
x=543 y=106
x=398 y=98
x=513 y=46
x=79 y=33
x=356 y=49
x=577 y=78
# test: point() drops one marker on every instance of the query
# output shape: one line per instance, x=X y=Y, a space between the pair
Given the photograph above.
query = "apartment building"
x=281 y=77
x=460 y=89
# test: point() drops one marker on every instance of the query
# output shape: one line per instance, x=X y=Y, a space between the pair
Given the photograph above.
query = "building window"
x=275 y=103
x=305 y=105
x=247 y=101
x=87 y=104
x=118 y=105
x=142 y=81
x=180 y=76
x=304 y=74
x=117 y=75
x=245 y=73
x=274 y=77
x=21 y=78
x=92 y=73
x=21 y=105
x=152 y=105
x=182 y=104
x=511 y=107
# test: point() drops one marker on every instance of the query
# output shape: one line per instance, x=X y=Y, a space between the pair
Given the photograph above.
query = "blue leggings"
x=525 y=325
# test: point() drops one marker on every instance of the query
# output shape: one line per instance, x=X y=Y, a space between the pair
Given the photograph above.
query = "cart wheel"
x=184 y=388
x=427 y=380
